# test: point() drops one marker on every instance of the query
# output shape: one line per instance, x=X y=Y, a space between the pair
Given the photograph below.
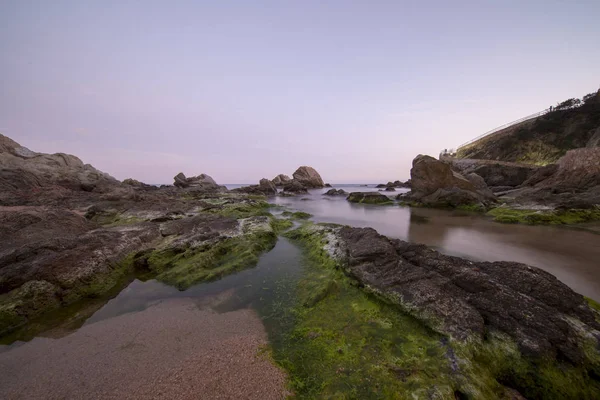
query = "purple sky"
x=249 y=89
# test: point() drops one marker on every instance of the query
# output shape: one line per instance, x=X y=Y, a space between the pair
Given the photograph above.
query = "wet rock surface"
x=335 y=192
x=467 y=299
x=368 y=198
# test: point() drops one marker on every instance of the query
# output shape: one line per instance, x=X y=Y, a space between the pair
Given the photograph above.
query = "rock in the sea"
x=265 y=187
x=467 y=300
x=368 y=198
x=281 y=179
x=335 y=192
x=308 y=177
x=390 y=189
x=434 y=183
x=328 y=185
x=294 y=187
x=200 y=181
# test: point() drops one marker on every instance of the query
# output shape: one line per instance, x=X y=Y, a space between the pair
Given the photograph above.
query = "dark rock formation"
x=202 y=182
x=24 y=172
x=368 y=198
x=495 y=173
x=466 y=299
x=281 y=179
x=294 y=187
x=390 y=189
x=308 y=177
x=335 y=192
x=395 y=184
x=434 y=183
x=327 y=185
x=265 y=187
x=573 y=182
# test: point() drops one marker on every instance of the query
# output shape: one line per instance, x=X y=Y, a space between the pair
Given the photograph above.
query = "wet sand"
x=177 y=349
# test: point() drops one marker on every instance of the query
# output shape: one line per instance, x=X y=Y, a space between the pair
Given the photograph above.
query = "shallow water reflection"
x=573 y=256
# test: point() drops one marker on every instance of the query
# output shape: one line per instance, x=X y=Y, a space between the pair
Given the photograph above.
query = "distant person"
x=550 y=108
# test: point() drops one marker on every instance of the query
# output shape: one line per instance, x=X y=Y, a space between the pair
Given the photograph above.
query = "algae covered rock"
x=368 y=198
x=335 y=192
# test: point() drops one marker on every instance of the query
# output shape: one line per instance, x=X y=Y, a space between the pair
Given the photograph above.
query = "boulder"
x=335 y=192
x=390 y=189
x=200 y=181
x=368 y=198
x=281 y=179
x=294 y=187
x=265 y=187
x=308 y=177
x=434 y=183
x=23 y=171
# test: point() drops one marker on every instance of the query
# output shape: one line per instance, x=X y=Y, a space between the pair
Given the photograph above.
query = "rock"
x=467 y=300
x=294 y=187
x=381 y=185
x=434 y=183
x=327 y=185
x=265 y=187
x=390 y=189
x=573 y=182
x=335 y=192
x=201 y=181
x=281 y=179
x=595 y=139
x=495 y=173
x=368 y=198
x=308 y=177
x=22 y=172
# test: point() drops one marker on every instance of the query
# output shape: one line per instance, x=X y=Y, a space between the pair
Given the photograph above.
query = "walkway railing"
x=518 y=121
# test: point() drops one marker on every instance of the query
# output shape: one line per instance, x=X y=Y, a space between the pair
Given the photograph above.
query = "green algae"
x=280 y=225
x=345 y=342
x=183 y=269
x=298 y=215
x=546 y=217
x=245 y=209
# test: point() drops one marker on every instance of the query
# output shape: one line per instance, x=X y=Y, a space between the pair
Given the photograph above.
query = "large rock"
x=294 y=187
x=368 y=198
x=434 y=183
x=201 y=181
x=467 y=300
x=308 y=177
x=495 y=173
x=335 y=192
x=22 y=172
x=573 y=182
x=281 y=180
x=265 y=187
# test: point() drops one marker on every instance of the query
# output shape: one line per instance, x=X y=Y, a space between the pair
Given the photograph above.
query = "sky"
x=242 y=90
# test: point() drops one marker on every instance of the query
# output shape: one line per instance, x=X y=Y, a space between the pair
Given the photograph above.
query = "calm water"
x=573 y=256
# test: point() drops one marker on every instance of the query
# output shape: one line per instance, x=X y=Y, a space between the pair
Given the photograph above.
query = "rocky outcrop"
x=495 y=173
x=395 y=184
x=308 y=177
x=281 y=180
x=335 y=192
x=294 y=187
x=368 y=198
x=468 y=300
x=265 y=187
x=573 y=182
x=434 y=183
x=201 y=182
x=22 y=172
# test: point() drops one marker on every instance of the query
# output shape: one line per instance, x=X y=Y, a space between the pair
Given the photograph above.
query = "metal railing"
x=502 y=127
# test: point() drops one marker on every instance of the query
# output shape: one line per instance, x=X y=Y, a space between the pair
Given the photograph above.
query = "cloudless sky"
x=242 y=90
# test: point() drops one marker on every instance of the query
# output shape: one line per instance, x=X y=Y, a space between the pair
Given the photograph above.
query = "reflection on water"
x=573 y=256
x=275 y=274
